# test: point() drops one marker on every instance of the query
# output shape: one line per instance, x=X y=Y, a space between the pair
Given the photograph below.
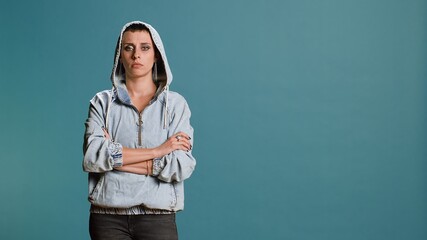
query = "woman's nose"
x=136 y=55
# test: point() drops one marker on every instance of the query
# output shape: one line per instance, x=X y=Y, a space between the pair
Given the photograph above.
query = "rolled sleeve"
x=115 y=150
x=158 y=165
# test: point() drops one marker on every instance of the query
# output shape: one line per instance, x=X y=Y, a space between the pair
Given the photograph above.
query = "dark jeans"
x=137 y=227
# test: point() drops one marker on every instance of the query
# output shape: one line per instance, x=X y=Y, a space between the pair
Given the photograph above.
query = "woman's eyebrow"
x=146 y=43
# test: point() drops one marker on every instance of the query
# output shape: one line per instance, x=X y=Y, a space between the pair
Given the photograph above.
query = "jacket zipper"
x=140 y=129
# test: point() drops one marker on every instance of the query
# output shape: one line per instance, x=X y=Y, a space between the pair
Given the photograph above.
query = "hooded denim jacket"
x=166 y=114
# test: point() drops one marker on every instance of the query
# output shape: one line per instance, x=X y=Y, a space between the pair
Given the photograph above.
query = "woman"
x=138 y=144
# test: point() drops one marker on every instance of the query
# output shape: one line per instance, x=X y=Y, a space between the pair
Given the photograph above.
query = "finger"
x=183 y=134
x=181 y=137
x=180 y=145
x=150 y=167
x=186 y=145
x=187 y=142
x=177 y=136
x=183 y=142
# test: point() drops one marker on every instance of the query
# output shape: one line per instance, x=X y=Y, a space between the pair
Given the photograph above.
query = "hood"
x=162 y=71
x=118 y=73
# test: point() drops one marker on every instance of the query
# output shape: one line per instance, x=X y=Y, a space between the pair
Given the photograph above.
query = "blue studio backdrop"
x=310 y=116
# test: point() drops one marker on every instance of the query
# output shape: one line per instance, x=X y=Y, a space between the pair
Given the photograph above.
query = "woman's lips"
x=137 y=65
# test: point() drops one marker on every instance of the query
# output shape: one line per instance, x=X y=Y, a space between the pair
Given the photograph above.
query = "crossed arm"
x=140 y=160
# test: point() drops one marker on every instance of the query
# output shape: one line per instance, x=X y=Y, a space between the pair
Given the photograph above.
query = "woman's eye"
x=128 y=48
x=145 y=48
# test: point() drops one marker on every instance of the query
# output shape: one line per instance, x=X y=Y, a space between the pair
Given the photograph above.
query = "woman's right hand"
x=179 y=141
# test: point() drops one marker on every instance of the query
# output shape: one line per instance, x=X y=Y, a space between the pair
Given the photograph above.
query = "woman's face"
x=137 y=54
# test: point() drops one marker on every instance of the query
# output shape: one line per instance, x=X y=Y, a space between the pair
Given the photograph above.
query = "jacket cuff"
x=158 y=165
x=115 y=151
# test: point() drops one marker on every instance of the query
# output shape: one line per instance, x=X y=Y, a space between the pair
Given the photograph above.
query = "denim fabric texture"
x=167 y=114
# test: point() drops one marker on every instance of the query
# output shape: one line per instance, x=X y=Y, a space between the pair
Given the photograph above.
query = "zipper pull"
x=140 y=130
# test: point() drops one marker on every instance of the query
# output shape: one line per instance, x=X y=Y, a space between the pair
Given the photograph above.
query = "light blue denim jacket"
x=167 y=114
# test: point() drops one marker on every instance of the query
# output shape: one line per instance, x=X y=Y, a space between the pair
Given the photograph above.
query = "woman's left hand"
x=178 y=141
